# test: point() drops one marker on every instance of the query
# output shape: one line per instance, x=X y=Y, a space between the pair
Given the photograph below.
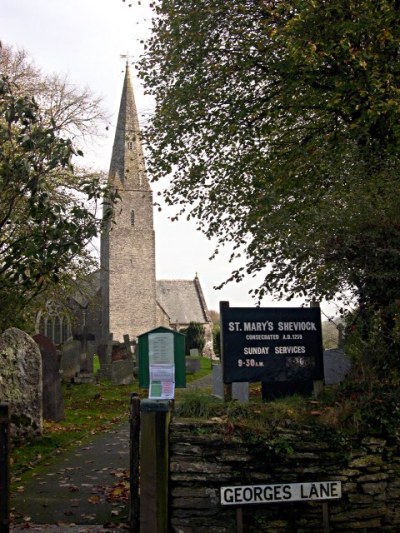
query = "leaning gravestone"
x=21 y=383
x=53 y=403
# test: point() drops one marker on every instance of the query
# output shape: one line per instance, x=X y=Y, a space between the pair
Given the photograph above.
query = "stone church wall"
x=208 y=455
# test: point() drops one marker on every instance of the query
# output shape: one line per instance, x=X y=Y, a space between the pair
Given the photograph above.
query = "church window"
x=132 y=217
x=130 y=145
x=57 y=330
x=54 y=324
x=48 y=327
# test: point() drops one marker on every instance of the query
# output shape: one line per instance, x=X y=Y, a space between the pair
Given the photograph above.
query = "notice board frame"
x=271 y=344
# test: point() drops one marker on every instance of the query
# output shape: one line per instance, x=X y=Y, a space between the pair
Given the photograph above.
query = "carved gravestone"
x=53 y=403
x=21 y=383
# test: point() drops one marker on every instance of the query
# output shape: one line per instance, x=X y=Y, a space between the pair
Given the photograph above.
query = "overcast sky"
x=84 y=39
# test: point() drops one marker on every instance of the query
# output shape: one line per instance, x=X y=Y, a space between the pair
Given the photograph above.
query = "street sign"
x=285 y=492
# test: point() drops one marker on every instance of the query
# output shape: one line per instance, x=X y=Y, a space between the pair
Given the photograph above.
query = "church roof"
x=86 y=289
x=182 y=300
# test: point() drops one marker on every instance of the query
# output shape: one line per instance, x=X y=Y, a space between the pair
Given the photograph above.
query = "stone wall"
x=208 y=455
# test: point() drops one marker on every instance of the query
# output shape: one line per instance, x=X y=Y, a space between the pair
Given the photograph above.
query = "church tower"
x=128 y=273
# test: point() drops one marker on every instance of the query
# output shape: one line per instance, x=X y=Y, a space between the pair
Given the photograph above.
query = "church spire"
x=127 y=168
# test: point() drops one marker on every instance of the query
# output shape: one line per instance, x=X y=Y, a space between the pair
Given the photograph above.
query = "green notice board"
x=167 y=346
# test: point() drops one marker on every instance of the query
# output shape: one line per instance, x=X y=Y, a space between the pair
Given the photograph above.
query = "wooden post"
x=239 y=520
x=318 y=384
x=155 y=417
x=134 y=509
x=4 y=469
x=325 y=516
x=227 y=386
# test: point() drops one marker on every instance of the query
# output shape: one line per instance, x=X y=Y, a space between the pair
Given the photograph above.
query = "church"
x=124 y=297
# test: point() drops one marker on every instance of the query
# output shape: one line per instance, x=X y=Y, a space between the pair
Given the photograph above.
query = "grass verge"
x=89 y=409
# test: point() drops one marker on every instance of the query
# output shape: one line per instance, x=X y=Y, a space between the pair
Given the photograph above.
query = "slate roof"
x=86 y=289
x=182 y=300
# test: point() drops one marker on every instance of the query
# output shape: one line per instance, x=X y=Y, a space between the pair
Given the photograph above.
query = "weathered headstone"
x=21 y=382
x=192 y=364
x=240 y=391
x=85 y=374
x=122 y=372
x=105 y=358
x=53 y=404
x=336 y=366
x=218 y=386
x=70 y=359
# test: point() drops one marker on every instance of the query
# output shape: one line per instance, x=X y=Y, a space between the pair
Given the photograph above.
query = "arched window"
x=57 y=330
x=132 y=217
x=54 y=324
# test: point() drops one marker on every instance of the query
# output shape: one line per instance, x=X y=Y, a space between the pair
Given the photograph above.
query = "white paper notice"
x=161 y=348
x=162 y=382
x=162 y=372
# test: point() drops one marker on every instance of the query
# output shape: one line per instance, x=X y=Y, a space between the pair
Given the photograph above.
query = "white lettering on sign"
x=289 y=492
x=290 y=349
x=271 y=337
x=297 y=326
x=258 y=326
x=256 y=350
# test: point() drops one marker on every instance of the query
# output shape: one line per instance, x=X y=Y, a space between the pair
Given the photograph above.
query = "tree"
x=73 y=111
x=45 y=221
x=195 y=337
x=278 y=123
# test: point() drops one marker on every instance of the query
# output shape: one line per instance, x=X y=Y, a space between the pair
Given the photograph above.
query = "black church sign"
x=271 y=344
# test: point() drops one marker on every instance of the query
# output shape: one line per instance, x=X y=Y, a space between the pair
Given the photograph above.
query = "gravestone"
x=105 y=358
x=53 y=403
x=336 y=366
x=70 y=359
x=21 y=383
x=240 y=391
x=85 y=374
x=218 y=386
x=122 y=372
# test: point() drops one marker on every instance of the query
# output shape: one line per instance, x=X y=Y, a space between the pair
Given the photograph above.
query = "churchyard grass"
x=205 y=369
x=89 y=409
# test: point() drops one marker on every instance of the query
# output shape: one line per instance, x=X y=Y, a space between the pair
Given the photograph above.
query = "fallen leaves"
x=95 y=499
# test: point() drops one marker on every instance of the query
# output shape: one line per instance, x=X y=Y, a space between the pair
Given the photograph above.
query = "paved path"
x=85 y=486
x=80 y=489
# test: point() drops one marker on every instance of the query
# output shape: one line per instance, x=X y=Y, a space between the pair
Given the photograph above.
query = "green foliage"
x=367 y=406
x=373 y=340
x=195 y=404
x=45 y=222
x=330 y=335
x=278 y=124
x=216 y=339
x=195 y=337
